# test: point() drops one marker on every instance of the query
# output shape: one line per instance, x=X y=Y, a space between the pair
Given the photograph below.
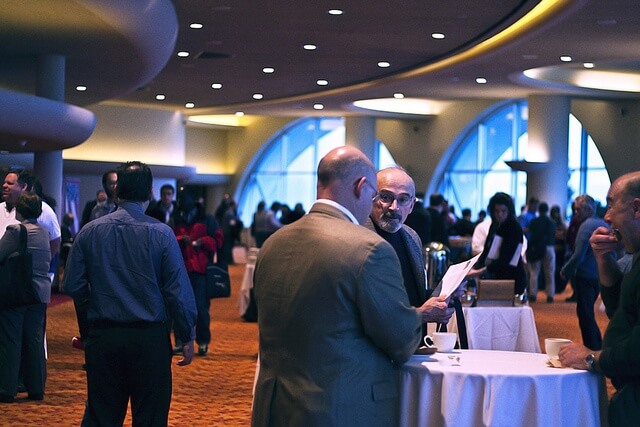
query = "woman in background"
x=22 y=328
x=502 y=255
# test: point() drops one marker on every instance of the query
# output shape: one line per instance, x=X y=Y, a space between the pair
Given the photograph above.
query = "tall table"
x=498 y=388
x=499 y=328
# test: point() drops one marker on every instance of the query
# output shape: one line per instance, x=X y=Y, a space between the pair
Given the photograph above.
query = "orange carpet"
x=214 y=390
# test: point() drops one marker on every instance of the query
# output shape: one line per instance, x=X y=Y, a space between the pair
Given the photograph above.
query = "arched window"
x=285 y=171
x=477 y=169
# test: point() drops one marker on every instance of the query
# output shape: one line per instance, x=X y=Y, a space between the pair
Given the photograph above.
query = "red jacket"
x=197 y=258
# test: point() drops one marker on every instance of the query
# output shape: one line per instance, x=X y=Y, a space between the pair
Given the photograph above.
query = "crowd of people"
x=136 y=272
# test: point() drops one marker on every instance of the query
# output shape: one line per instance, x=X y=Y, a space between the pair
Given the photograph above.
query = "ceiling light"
x=335 y=12
x=189 y=105
x=160 y=97
x=437 y=36
x=196 y=26
x=216 y=85
x=588 y=65
x=322 y=82
x=239 y=114
x=309 y=47
x=81 y=88
x=565 y=58
x=268 y=70
x=398 y=95
x=481 y=80
x=318 y=106
x=258 y=96
x=415 y=106
x=384 y=64
x=183 y=54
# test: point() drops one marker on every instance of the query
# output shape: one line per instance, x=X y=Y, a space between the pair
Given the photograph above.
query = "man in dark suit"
x=332 y=314
x=390 y=209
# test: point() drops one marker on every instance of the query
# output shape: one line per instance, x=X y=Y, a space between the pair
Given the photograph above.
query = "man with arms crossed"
x=332 y=314
x=138 y=281
x=619 y=358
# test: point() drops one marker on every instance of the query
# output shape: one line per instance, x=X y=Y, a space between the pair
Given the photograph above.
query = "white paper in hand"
x=455 y=275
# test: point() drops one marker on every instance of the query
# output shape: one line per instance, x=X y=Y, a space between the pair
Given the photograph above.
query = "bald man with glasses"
x=392 y=204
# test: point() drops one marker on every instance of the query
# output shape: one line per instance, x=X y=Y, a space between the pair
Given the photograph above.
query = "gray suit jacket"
x=332 y=316
x=413 y=244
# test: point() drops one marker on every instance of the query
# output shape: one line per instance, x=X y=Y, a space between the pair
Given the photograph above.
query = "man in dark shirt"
x=438 y=226
x=138 y=282
x=541 y=253
x=391 y=206
x=619 y=358
x=419 y=220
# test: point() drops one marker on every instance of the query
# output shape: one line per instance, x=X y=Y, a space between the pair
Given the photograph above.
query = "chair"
x=495 y=293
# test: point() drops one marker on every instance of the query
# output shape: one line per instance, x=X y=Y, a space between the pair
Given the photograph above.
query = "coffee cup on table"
x=443 y=341
x=552 y=346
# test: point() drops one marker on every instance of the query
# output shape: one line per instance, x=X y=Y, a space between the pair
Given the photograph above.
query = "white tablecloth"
x=247 y=281
x=499 y=328
x=498 y=388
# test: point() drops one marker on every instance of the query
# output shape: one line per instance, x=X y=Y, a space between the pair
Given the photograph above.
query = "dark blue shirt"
x=130 y=267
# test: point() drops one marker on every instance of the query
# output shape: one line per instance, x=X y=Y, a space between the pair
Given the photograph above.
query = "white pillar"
x=360 y=132
x=47 y=166
x=548 y=130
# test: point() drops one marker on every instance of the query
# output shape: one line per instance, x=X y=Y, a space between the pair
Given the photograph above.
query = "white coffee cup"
x=443 y=341
x=552 y=346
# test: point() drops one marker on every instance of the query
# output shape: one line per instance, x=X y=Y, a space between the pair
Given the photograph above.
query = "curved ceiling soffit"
x=30 y=123
x=541 y=14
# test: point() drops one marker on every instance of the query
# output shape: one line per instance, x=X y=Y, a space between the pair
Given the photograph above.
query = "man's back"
x=330 y=324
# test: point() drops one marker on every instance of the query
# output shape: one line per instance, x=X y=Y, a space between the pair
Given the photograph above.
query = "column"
x=47 y=166
x=360 y=132
x=548 y=130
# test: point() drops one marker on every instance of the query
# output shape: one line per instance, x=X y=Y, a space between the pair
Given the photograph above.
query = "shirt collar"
x=341 y=208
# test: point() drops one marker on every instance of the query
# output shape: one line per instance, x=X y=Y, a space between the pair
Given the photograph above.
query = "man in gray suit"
x=332 y=314
x=392 y=205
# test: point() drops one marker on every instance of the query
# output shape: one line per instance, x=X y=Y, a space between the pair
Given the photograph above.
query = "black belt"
x=105 y=324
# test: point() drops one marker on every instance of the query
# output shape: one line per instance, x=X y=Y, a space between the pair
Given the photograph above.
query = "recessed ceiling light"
x=160 y=97
x=437 y=36
x=398 y=95
x=588 y=65
x=268 y=70
x=309 y=47
x=183 y=54
x=322 y=82
x=481 y=80
x=318 y=106
x=565 y=58
x=335 y=12
x=216 y=85
x=239 y=114
x=384 y=64
x=258 y=96
x=189 y=105
x=81 y=88
x=196 y=26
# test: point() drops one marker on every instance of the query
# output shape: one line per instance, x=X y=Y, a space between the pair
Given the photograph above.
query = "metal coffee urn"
x=437 y=261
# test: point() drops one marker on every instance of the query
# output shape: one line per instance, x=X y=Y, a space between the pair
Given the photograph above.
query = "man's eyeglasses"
x=403 y=200
x=375 y=191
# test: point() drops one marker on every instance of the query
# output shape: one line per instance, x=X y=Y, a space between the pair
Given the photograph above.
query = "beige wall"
x=125 y=133
x=161 y=137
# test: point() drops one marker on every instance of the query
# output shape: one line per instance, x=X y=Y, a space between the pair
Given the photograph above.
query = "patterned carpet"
x=214 y=390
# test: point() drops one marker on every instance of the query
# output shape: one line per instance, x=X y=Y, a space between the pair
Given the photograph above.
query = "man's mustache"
x=392 y=215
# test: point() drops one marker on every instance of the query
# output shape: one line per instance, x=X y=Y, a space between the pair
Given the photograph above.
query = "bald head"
x=347 y=176
x=396 y=197
x=623 y=210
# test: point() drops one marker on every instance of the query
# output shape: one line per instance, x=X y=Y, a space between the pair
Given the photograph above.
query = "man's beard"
x=390 y=222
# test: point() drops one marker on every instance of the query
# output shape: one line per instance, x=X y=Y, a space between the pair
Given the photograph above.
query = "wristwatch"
x=591 y=361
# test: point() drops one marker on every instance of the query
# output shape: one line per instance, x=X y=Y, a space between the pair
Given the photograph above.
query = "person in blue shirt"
x=129 y=268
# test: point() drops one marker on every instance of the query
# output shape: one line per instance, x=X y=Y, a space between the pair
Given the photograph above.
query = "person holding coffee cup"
x=619 y=358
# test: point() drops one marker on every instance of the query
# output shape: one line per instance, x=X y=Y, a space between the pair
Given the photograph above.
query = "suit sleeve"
x=387 y=317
